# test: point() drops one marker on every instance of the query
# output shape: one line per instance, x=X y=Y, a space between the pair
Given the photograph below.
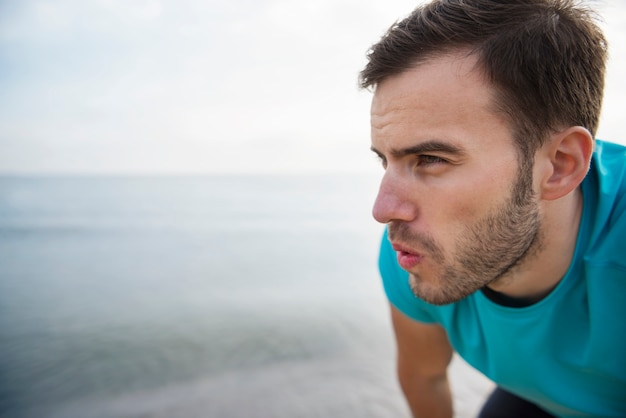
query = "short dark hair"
x=545 y=58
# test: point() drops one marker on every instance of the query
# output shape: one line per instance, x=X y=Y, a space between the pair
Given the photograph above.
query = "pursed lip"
x=407 y=258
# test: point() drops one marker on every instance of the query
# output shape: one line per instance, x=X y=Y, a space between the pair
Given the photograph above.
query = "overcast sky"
x=192 y=86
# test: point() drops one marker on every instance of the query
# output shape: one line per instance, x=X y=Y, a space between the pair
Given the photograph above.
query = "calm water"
x=192 y=297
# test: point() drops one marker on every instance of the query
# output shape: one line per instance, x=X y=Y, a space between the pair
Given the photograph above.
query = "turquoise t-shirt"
x=566 y=353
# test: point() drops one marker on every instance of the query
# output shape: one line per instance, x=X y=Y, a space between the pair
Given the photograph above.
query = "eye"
x=426 y=160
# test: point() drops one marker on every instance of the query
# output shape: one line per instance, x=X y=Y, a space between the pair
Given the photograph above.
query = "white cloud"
x=192 y=86
x=614 y=26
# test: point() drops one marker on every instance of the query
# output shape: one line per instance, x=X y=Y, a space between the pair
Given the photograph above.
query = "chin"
x=435 y=293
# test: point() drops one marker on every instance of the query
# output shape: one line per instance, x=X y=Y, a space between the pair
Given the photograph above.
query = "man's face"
x=460 y=209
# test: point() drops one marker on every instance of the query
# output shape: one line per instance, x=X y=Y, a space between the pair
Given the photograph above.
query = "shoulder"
x=604 y=193
x=607 y=174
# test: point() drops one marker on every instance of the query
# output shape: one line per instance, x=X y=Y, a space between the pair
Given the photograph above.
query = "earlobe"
x=569 y=157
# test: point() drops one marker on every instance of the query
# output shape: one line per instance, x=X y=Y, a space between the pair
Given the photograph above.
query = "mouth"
x=406 y=257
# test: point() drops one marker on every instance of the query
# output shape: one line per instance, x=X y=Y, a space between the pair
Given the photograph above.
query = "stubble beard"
x=488 y=251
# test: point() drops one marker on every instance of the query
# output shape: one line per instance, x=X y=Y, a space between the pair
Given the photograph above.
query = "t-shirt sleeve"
x=396 y=285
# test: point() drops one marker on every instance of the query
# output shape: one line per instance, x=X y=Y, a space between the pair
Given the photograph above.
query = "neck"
x=547 y=264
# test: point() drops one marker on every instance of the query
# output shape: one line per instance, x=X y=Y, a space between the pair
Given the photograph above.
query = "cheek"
x=449 y=213
x=467 y=202
x=468 y=194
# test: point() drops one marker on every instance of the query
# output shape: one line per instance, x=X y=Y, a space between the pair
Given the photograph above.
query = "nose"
x=394 y=200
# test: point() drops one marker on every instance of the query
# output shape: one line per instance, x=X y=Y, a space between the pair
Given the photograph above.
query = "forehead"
x=444 y=98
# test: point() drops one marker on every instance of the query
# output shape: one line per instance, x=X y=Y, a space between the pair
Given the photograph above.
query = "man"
x=506 y=219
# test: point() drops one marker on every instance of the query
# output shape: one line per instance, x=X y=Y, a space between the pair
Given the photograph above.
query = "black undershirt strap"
x=504 y=300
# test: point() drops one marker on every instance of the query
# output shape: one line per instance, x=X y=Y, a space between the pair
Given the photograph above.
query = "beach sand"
x=469 y=387
x=284 y=391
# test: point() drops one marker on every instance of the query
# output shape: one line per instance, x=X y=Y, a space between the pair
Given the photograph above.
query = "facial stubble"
x=487 y=251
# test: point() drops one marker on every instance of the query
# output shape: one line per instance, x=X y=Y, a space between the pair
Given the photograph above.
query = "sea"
x=193 y=296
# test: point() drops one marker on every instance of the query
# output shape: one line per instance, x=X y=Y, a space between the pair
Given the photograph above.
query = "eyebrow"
x=424 y=147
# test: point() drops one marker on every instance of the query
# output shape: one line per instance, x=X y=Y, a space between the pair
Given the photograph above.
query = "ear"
x=568 y=157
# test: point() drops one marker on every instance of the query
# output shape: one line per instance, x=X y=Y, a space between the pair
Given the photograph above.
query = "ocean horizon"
x=193 y=296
